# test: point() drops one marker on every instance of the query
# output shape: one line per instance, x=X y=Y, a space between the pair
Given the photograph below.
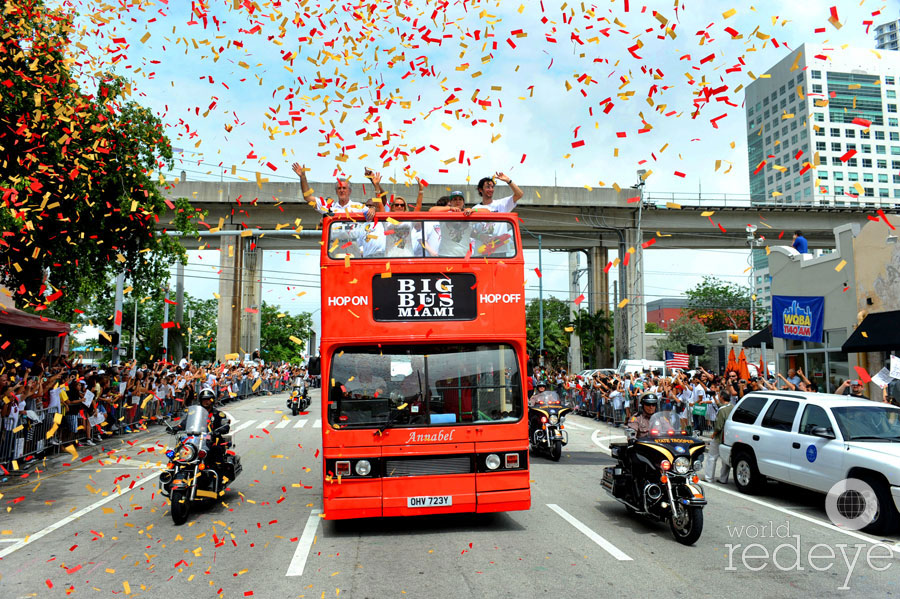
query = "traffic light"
x=115 y=338
x=544 y=353
x=695 y=350
x=733 y=338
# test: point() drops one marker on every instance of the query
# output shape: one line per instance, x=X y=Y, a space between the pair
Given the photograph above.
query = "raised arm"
x=790 y=385
x=304 y=184
x=517 y=193
x=420 y=194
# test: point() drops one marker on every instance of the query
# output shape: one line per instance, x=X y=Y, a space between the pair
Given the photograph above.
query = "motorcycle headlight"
x=553 y=419
x=681 y=465
x=492 y=461
x=698 y=465
x=187 y=453
x=363 y=468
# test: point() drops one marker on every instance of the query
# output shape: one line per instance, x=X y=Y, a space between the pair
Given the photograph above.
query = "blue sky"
x=220 y=105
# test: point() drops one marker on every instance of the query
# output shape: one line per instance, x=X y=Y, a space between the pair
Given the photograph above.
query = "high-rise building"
x=761 y=285
x=822 y=128
x=886 y=35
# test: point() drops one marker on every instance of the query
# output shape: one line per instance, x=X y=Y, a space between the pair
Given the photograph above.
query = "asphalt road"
x=100 y=527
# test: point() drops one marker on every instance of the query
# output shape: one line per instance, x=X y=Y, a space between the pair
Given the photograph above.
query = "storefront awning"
x=760 y=337
x=877 y=332
x=28 y=325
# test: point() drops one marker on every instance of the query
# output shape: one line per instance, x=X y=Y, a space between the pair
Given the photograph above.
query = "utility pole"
x=134 y=331
x=541 y=300
x=117 y=321
x=165 y=339
x=190 y=331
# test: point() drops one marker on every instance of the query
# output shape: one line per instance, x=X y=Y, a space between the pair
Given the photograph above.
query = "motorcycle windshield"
x=195 y=421
x=546 y=398
x=664 y=423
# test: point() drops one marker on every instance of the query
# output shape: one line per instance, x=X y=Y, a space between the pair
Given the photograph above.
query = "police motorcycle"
x=200 y=466
x=657 y=475
x=546 y=431
x=299 y=399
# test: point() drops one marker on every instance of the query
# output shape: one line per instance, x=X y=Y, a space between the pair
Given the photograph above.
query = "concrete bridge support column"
x=228 y=327
x=575 y=361
x=599 y=281
x=251 y=292
x=636 y=304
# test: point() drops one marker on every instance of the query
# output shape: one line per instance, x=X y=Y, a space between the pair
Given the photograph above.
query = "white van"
x=626 y=366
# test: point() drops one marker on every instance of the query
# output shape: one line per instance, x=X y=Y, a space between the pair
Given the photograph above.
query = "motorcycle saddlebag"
x=231 y=468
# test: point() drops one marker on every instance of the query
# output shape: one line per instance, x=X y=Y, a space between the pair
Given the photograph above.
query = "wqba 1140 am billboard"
x=798 y=317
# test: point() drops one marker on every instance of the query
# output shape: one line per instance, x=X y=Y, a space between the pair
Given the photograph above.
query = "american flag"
x=676 y=360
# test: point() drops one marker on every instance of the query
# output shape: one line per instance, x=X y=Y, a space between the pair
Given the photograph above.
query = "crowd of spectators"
x=53 y=402
x=696 y=395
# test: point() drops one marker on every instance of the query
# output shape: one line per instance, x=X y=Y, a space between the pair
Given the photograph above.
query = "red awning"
x=35 y=326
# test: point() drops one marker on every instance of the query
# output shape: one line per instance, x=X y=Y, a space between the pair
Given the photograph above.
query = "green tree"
x=682 y=332
x=100 y=312
x=75 y=171
x=652 y=327
x=719 y=305
x=556 y=339
x=595 y=331
x=277 y=330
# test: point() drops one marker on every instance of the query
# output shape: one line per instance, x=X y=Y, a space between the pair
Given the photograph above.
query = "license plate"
x=429 y=501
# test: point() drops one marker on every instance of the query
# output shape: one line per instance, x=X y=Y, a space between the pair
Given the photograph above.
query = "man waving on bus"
x=486 y=191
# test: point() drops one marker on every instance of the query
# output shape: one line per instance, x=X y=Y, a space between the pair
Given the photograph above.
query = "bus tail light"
x=512 y=460
x=342 y=468
x=492 y=461
x=363 y=467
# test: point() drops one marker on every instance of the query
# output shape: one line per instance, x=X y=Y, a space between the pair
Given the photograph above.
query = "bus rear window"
x=427 y=385
x=456 y=238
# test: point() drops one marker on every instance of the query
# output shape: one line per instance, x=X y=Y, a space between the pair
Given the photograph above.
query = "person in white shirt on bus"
x=486 y=191
x=323 y=205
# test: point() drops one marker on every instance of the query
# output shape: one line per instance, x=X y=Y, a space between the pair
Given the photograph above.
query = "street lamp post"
x=190 y=331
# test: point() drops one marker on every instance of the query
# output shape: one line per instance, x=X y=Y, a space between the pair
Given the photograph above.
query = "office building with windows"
x=822 y=129
x=761 y=285
x=886 y=35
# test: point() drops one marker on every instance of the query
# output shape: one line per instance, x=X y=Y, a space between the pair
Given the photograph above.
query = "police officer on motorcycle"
x=217 y=422
x=640 y=422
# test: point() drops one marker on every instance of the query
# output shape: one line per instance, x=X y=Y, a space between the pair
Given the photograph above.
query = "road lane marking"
x=71 y=517
x=283 y=423
x=581 y=426
x=264 y=423
x=10 y=540
x=597 y=439
x=317 y=423
x=300 y=423
x=795 y=514
x=242 y=426
x=603 y=543
x=301 y=554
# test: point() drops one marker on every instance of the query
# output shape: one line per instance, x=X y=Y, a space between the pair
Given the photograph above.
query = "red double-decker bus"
x=423 y=362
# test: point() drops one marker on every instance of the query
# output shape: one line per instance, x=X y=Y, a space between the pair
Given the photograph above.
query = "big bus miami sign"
x=798 y=317
x=423 y=357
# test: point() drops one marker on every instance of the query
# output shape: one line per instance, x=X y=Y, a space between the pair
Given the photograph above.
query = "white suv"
x=814 y=440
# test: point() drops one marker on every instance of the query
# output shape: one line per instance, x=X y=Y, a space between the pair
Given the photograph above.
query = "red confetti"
x=862 y=374
x=579 y=299
x=848 y=155
x=538 y=272
x=679 y=174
